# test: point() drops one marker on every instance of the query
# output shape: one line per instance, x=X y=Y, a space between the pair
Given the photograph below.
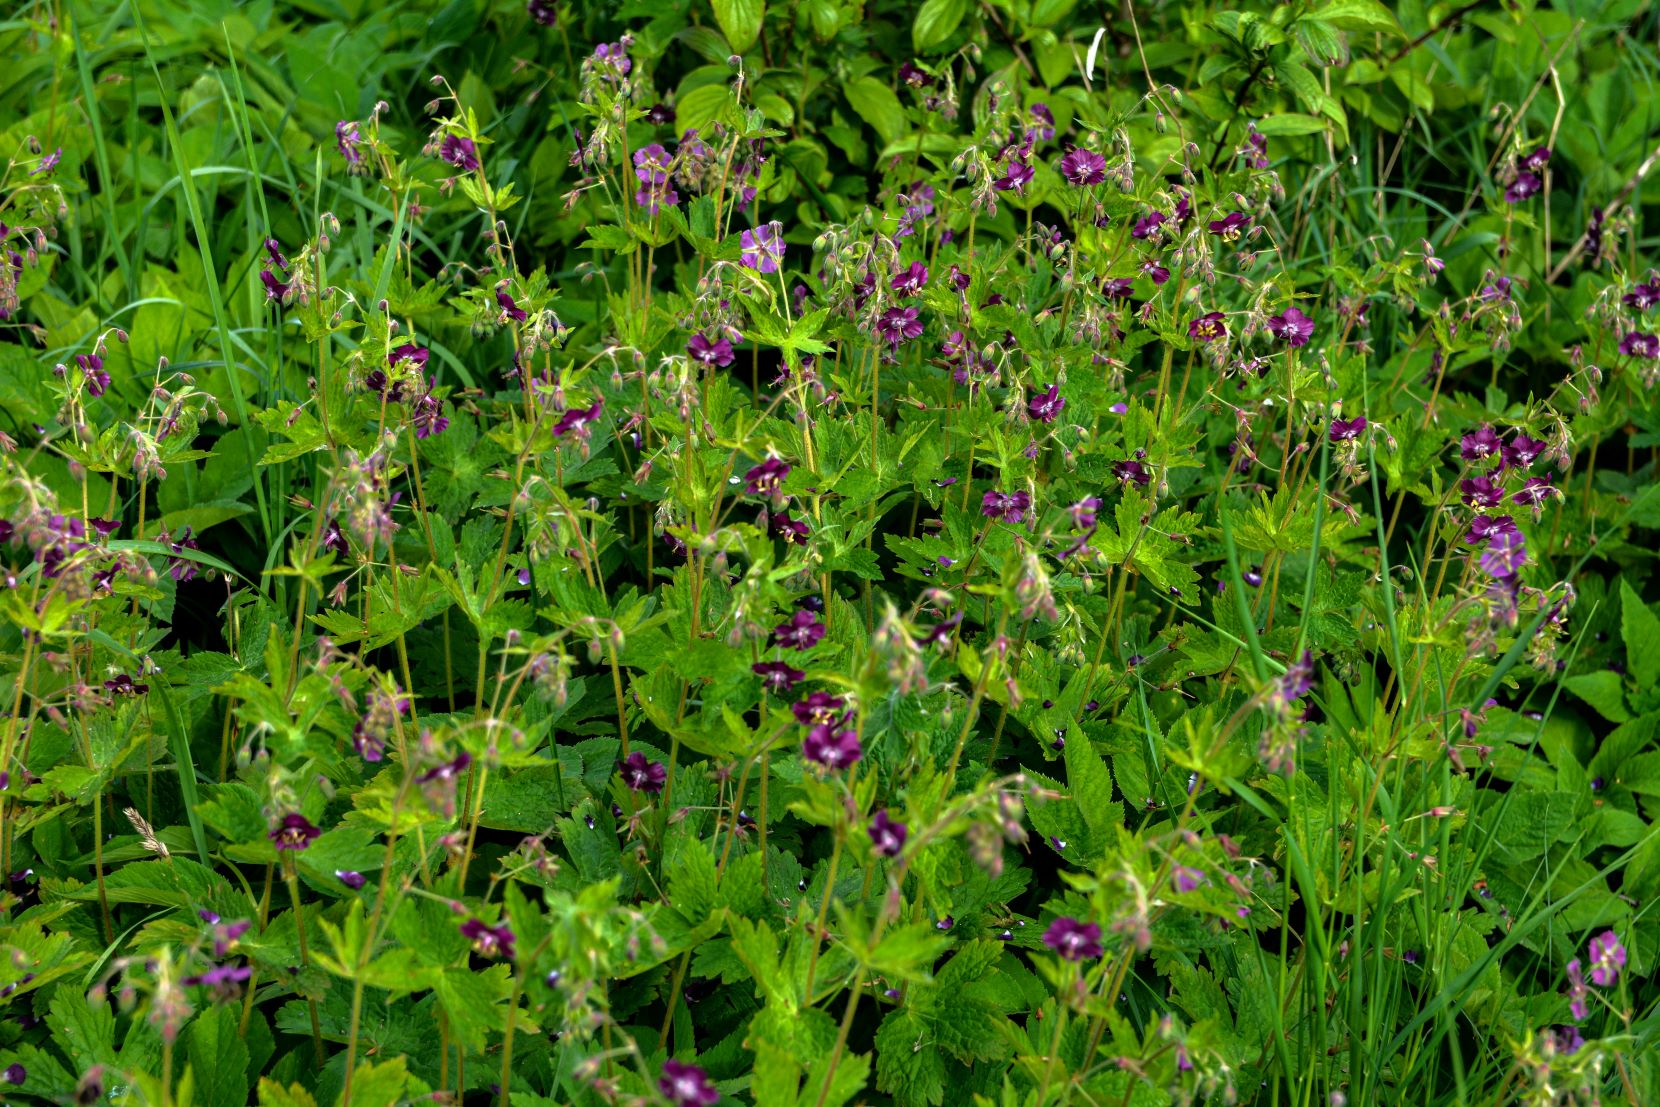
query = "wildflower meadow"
x=810 y=553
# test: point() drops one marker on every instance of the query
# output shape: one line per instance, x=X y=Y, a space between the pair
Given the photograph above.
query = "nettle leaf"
x=1640 y=632
x=218 y=1056
x=1604 y=691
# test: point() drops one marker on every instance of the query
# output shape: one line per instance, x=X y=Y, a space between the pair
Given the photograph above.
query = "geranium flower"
x=832 y=748
x=801 y=631
x=641 y=775
x=1208 y=327
x=686 y=1085
x=1083 y=167
x=294 y=832
x=1347 y=430
x=700 y=349
x=459 y=152
x=489 y=941
x=763 y=247
x=898 y=325
x=777 y=676
x=1073 y=939
x=1045 y=407
x=1292 y=327
x=1230 y=226
x=911 y=281
x=1009 y=507
x=887 y=837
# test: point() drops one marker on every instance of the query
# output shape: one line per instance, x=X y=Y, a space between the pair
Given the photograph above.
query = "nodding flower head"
x=1148 y=225
x=1208 y=327
x=510 y=308
x=831 y=747
x=777 y=676
x=1526 y=186
x=459 y=152
x=1230 y=226
x=819 y=707
x=767 y=478
x=1347 y=430
x=1015 y=178
x=701 y=350
x=294 y=832
x=489 y=941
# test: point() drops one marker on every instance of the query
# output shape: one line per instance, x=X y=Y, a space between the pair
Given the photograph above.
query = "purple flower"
x=1536 y=161
x=766 y=478
x=1043 y=121
x=910 y=74
x=1256 y=155
x=1643 y=296
x=1083 y=167
x=15 y=1074
x=1607 y=958
x=641 y=775
x=1480 y=492
x=1185 y=879
x=1483 y=528
x=459 y=152
x=793 y=531
x=489 y=941
x=417 y=355
x=819 y=707
x=1131 y=469
x=427 y=416
x=1073 y=939
x=92 y=368
x=47 y=163
x=273 y=251
x=1535 y=491
x=1157 y=272
x=832 y=748
x=777 y=676
x=1117 y=288
x=1521 y=452
x=346 y=139
x=1638 y=344
x=577 y=419
x=1148 y=225
x=1046 y=406
x=509 y=307
x=718 y=352
x=222 y=979
x=1347 y=430
x=1568 y=1040
x=543 y=12
x=1015 y=178
x=802 y=631
x=295 y=832
x=1010 y=507
x=887 y=837
x=1526 y=186
x=912 y=280
x=274 y=288
x=1297 y=679
x=1479 y=444
x=1291 y=327
x=1577 y=991
x=651 y=169
x=351 y=879
x=686 y=1085
x=763 y=247
x=899 y=324
x=1505 y=554
x=1208 y=327
x=1230 y=226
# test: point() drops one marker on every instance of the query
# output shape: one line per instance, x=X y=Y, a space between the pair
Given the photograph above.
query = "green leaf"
x=936 y=21
x=876 y=105
x=1359 y=15
x=219 y=1056
x=703 y=105
x=1640 y=630
x=1091 y=784
x=472 y=1000
x=272 y=1094
x=1291 y=123
x=376 y=1085
x=1603 y=691
x=740 y=22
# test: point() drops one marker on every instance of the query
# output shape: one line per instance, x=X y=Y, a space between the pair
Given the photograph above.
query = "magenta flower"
x=350 y=878
x=1208 y=327
x=1291 y=327
x=887 y=837
x=427 y=416
x=1526 y=186
x=802 y=631
x=718 y=352
x=274 y=288
x=1132 y=469
x=1010 y=507
x=819 y=707
x=1479 y=444
x=1535 y=491
x=346 y=140
x=1157 y=272
x=294 y=832
x=1045 y=407
x=763 y=247
x=1230 y=226
x=416 y=355
x=912 y=280
x=793 y=531
x=15 y=1075
x=1185 y=879
x=1148 y=225
x=898 y=325
x=1643 y=296
x=1505 y=555
x=1073 y=939
x=1015 y=178
x=1347 y=430
x=577 y=419
x=686 y=1085
x=92 y=368
x=1536 y=161
x=1480 y=492
x=651 y=169
x=777 y=676
x=1607 y=959
x=1484 y=528
x=459 y=152
x=832 y=748
x=1297 y=679
x=222 y=980
x=1521 y=451
x=766 y=478
x=1083 y=167
x=1577 y=991
x=1117 y=288
x=912 y=75
x=641 y=775
x=509 y=307
x=489 y=941
x=47 y=163
x=1638 y=344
